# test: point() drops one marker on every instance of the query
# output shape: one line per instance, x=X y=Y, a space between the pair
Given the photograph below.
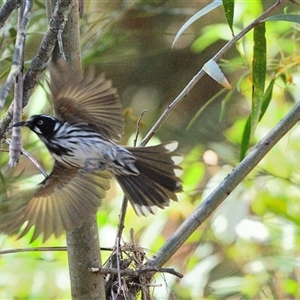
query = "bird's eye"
x=40 y=122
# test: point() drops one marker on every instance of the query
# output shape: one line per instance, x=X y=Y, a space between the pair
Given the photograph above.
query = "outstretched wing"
x=90 y=100
x=63 y=202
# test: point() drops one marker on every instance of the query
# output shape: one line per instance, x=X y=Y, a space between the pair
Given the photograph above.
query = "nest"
x=128 y=273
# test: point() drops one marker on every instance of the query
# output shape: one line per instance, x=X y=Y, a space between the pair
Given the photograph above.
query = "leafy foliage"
x=248 y=249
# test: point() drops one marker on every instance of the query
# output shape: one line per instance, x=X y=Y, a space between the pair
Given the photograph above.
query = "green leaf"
x=267 y=98
x=245 y=138
x=229 y=12
x=211 y=34
x=259 y=66
x=286 y=18
x=247 y=130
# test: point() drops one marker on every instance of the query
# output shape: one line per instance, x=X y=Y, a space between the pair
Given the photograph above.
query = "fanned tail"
x=157 y=181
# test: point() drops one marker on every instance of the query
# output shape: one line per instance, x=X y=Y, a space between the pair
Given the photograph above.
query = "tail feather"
x=156 y=182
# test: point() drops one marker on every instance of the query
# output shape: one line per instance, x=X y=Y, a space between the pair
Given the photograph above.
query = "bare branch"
x=8 y=7
x=121 y=221
x=23 y=20
x=201 y=73
x=39 y=62
x=31 y=158
x=125 y=200
x=41 y=249
x=15 y=144
x=138 y=124
x=135 y=273
x=18 y=53
x=238 y=174
x=38 y=249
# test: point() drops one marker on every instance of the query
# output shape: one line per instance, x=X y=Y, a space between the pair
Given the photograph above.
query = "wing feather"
x=63 y=202
x=90 y=100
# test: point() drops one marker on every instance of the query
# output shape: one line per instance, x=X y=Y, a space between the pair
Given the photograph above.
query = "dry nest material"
x=128 y=273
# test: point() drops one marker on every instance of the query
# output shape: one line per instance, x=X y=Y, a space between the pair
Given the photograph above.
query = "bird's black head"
x=42 y=125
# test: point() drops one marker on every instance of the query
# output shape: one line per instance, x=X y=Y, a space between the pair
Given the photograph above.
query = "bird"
x=82 y=139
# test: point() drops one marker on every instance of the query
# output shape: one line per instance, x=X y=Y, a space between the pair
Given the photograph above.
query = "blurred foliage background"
x=249 y=248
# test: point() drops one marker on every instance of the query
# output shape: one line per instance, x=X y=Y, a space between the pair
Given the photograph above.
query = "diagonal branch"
x=201 y=73
x=232 y=180
x=226 y=187
x=6 y=10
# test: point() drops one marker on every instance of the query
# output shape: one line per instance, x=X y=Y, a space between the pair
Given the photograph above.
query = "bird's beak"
x=25 y=123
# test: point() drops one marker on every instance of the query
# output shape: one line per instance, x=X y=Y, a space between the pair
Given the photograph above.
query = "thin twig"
x=118 y=262
x=32 y=159
x=121 y=220
x=201 y=73
x=42 y=249
x=138 y=124
x=125 y=200
x=146 y=284
x=38 y=249
x=135 y=273
x=237 y=175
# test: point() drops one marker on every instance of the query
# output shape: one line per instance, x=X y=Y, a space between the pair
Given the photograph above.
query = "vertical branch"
x=82 y=243
x=18 y=63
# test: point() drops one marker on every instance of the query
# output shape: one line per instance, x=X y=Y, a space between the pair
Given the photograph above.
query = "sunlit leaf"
x=198 y=15
x=229 y=12
x=259 y=66
x=211 y=34
x=247 y=130
x=267 y=98
x=245 y=138
x=213 y=70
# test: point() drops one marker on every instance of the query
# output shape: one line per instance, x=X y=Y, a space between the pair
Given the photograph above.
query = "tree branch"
x=8 y=7
x=18 y=61
x=201 y=73
x=232 y=180
x=83 y=243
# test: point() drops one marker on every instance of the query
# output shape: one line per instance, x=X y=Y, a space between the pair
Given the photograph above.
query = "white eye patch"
x=57 y=126
x=36 y=130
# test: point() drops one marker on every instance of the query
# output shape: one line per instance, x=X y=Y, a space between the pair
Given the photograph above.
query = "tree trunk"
x=82 y=243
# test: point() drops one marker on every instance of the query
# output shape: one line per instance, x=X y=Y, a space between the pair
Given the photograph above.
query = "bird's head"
x=42 y=125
